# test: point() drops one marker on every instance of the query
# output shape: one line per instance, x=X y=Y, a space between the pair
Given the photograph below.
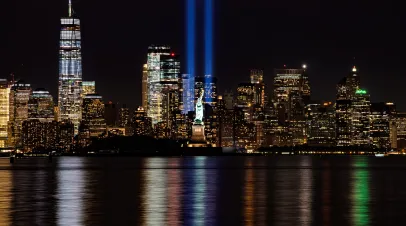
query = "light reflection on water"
x=288 y=190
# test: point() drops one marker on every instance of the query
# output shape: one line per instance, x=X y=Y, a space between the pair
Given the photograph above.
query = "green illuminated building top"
x=361 y=91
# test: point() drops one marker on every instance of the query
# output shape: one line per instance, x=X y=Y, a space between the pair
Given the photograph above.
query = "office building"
x=41 y=106
x=110 y=114
x=88 y=87
x=210 y=90
x=70 y=70
x=4 y=111
x=141 y=124
x=18 y=105
x=93 y=115
x=380 y=118
x=320 y=124
x=360 y=119
x=124 y=116
x=171 y=87
x=289 y=96
x=257 y=79
x=144 y=86
x=154 y=107
x=245 y=99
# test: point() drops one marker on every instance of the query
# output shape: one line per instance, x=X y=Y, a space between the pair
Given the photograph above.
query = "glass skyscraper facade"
x=70 y=71
x=154 y=108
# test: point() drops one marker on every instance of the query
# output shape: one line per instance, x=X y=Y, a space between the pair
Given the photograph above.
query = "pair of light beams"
x=191 y=39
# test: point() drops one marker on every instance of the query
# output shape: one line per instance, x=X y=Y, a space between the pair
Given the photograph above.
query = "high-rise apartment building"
x=4 y=111
x=18 y=105
x=70 y=70
x=360 y=119
x=144 y=87
x=41 y=106
x=154 y=107
x=88 y=87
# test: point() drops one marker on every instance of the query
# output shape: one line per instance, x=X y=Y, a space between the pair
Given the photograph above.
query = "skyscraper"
x=346 y=89
x=154 y=107
x=19 y=96
x=4 y=111
x=171 y=86
x=188 y=99
x=210 y=90
x=41 y=106
x=70 y=70
x=88 y=87
x=360 y=119
x=93 y=115
x=289 y=87
x=257 y=79
x=144 y=87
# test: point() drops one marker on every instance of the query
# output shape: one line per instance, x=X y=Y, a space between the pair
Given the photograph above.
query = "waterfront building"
x=360 y=119
x=88 y=87
x=400 y=121
x=18 y=111
x=40 y=135
x=179 y=126
x=154 y=107
x=70 y=70
x=4 y=111
x=66 y=131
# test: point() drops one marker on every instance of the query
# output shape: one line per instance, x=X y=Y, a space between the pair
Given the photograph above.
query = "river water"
x=276 y=190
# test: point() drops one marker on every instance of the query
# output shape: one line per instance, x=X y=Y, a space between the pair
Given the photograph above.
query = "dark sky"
x=264 y=34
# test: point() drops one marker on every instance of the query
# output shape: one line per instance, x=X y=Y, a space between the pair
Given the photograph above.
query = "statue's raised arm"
x=199 y=109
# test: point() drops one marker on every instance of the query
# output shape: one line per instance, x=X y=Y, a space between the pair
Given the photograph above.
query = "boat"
x=379 y=154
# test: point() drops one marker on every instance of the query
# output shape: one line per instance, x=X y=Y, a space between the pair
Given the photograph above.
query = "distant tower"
x=144 y=87
x=257 y=79
x=70 y=70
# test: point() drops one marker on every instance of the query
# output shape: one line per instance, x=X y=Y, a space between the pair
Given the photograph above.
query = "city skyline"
x=328 y=58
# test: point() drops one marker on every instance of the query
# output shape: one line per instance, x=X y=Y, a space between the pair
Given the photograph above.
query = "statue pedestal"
x=198 y=137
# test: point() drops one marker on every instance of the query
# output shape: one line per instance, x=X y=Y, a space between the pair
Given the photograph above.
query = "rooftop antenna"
x=70 y=8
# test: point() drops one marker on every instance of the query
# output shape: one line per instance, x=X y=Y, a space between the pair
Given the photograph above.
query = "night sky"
x=263 y=34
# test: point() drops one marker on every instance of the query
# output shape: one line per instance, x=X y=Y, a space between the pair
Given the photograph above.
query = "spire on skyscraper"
x=70 y=8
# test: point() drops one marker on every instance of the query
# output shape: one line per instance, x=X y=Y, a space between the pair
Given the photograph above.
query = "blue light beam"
x=208 y=28
x=190 y=36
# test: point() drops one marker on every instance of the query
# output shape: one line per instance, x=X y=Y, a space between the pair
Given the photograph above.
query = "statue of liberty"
x=199 y=109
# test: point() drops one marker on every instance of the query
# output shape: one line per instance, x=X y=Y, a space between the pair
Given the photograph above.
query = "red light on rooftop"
x=284 y=65
x=172 y=54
